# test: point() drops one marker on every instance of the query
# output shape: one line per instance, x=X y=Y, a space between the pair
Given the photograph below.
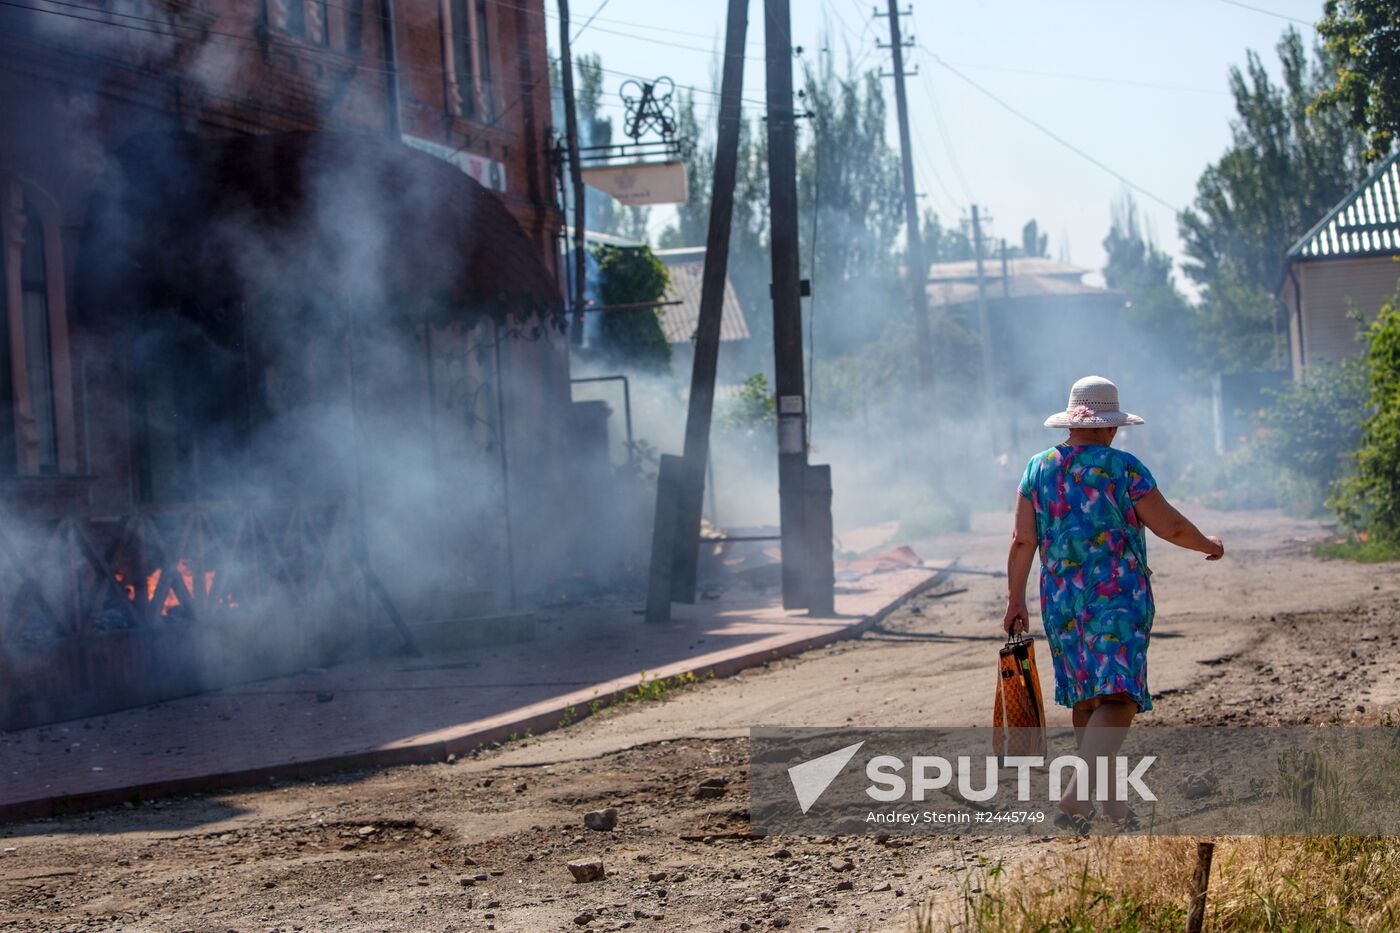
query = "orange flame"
x=183 y=568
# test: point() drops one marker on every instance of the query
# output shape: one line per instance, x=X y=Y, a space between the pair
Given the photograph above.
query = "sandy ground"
x=1268 y=635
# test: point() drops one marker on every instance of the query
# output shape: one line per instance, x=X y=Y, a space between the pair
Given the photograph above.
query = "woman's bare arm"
x=1170 y=525
x=1018 y=567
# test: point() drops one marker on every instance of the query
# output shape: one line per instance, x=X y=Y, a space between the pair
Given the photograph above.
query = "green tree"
x=1033 y=242
x=1160 y=318
x=632 y=337
x=753 y=406
x=1287 y=165
x=849 y=195
x=848 y=183
x=1369 y=500
x=944 y=244
x=692 y=217
x=1363 y=39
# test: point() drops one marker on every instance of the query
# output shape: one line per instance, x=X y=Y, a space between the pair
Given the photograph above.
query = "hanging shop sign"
x=489 y=173
x=640 y=182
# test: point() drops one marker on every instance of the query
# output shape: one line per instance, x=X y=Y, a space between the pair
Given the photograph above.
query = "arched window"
x=36 y=413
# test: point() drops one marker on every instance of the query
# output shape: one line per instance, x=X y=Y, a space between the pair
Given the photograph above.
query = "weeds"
x=648 y=689
x=1322 y=883
x=1361 y=548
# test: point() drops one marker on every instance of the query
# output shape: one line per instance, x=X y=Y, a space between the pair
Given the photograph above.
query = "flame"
x=186 y=572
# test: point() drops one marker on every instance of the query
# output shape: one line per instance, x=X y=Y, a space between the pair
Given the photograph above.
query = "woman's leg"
x=1080 y=717
x=1100 y=726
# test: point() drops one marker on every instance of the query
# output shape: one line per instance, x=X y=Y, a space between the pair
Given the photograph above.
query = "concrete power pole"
x=918 y=269
x=566 y=68
x=804 y=492
x=681 y=485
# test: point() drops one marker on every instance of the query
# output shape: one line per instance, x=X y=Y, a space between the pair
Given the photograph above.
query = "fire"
x=171 y=601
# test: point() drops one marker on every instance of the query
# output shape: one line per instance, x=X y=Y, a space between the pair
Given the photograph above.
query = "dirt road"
x=1268 y=635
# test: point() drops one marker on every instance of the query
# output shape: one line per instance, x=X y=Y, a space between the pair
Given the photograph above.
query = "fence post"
x=1200 y=881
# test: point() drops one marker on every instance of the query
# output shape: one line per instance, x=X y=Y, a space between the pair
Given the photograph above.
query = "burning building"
x=281 y=363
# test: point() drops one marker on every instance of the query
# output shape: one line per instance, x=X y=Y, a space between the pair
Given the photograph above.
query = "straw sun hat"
x=1093 y=403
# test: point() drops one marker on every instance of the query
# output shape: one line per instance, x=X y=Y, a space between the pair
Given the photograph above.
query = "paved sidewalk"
x=392 y=710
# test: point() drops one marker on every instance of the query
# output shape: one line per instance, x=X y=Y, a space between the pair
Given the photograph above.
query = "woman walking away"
x=1084 y=504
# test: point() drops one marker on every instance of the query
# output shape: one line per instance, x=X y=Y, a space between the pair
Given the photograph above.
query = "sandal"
x=1076 y=823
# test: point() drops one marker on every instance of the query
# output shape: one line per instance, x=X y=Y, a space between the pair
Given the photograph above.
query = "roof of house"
x=1024 y=265
x=686 y=266
x=1365 y=223
x=1026 y=278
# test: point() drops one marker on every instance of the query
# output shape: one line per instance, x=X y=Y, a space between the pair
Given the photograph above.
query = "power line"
x=949 y=202
x=168 y=30
x=942 y=126
x=693 y=88
x=674 y=45
x=589 y=22
x=1053 y=135
x=1092 y=78
x=1260 y=9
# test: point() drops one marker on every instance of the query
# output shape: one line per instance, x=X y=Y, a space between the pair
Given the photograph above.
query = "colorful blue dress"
x=1095 y=598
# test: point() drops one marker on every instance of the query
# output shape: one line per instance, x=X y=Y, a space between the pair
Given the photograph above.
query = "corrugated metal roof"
x=1365 y=223
x=966 y=269
x=687 y=267
x=950 y=293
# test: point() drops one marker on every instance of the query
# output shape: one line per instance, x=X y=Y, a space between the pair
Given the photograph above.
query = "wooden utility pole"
x=918 y=269
x=689 y=488
x=786 y=286
x=566 y=68
x=984 y=330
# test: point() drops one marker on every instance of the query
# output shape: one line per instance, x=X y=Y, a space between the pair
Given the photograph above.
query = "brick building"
x=280 y=339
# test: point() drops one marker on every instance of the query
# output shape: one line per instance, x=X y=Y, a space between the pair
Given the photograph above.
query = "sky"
x=1140 y=87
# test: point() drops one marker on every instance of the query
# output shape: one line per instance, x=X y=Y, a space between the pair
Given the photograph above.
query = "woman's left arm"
x=1018 y=567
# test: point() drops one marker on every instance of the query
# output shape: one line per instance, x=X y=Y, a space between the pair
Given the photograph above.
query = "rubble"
x=711 y=788
x=587 y=870
x=1200 y=785
x=601 y=820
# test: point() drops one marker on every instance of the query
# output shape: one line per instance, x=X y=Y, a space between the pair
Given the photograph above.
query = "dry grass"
x=1130 y=884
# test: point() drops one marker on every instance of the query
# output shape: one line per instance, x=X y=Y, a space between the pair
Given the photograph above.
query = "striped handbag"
x=1018 y=716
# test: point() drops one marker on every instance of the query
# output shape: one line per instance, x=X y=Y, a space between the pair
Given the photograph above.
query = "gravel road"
x=1271 y=634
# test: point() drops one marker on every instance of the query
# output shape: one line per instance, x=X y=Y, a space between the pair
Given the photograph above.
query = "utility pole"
x=566 y=67
x=675 y=563
x=984 y=330
x=806 y=524
x=918 y=269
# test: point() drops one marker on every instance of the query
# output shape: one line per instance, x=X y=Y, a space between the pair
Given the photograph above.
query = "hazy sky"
x=1139 y=86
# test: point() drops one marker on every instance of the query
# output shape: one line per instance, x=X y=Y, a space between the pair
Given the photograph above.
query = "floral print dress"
x=1095 y=597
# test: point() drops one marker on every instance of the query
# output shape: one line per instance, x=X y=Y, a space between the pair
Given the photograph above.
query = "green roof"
x=1366 y=223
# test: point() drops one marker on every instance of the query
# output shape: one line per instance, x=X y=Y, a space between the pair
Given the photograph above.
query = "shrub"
x=633 y=337
x=1369 y=499
x=754 y=406
x=1310 y=431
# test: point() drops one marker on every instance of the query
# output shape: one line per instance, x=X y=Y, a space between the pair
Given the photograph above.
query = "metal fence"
x=100 y=613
